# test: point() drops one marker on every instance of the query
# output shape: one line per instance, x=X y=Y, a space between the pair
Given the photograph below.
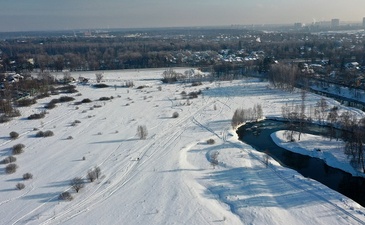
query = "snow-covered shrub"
x=142 y=132
x=47 y=133
x=210 y=141
x=77 y=184
x=4 y=119
x=18 y=149
x=11 y=168
x=100 y=85
x=13 y=135
x=65 y=196
x=8 y=160
x=104 y=99
x=27 y=176
x=20 y=186
x=86 y=100
x=91 y=175
x=175 y=115
x=26 y=102
x=37 y=116
x=66 y=99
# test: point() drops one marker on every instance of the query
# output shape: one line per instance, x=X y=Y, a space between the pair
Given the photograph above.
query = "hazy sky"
x=24 y=15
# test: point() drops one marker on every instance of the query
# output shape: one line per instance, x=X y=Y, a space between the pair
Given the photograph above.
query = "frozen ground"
x=167 y=178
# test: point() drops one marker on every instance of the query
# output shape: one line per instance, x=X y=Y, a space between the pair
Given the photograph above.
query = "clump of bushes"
x=194 y=94
x=175 y=115
x=11 y=168
x=66 y=99
x=65 y=196
x=67 y=89
x=37 y=116
x=197 y=83
x=18 y=149
x=86 y=100
x=104 y=98
x=27 y=176
x=9 y=159
x=13 y=113
x=210 y=141
x=47 y=133
x=91 y=175
x=52 y=103
x=74 y=123
x=13 y=135
x=25 y=102
x=100 y=85
x=77 y=184
x=20 y=186
x=4 y=119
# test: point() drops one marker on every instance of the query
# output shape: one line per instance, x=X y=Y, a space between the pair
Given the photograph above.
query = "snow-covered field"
x=166 y=178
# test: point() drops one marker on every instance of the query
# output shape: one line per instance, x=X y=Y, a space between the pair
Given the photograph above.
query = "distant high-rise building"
x=298 y=25
x=335 y=22
x=363 y=22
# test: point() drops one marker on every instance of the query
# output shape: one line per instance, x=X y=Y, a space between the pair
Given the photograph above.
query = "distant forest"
x=216 y=49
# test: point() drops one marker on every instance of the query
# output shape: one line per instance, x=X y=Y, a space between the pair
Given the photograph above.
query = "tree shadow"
x=15 y=180
x=58 y=184
x=43 y=197
x=9 y=189
x=5 y=152
x=114 y=141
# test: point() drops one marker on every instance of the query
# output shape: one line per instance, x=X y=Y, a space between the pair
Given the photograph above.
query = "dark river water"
x=258 y=136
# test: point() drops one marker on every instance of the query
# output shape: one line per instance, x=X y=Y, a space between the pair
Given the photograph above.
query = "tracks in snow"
x=149 y=153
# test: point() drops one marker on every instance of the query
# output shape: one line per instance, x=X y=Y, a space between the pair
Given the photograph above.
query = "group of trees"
x=352 y=129
x=240 y=116
x=198 y=48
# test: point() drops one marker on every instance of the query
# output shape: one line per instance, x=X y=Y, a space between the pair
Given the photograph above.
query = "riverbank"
x=330 y=151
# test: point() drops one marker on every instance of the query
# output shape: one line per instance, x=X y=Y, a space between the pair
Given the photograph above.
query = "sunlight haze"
x=25 y=15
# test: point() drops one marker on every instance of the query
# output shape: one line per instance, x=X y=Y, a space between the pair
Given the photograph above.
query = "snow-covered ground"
x=166 y=178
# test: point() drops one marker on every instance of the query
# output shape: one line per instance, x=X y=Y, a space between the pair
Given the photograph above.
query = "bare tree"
x=142 y=132
x=97 y=171
x=91 y=175
x=291 y=114
x=214 y=159
x=332 y=120
x=321 y=109
x=99 y=77
x=77 y=184
x=302 y=116
x=283 y=76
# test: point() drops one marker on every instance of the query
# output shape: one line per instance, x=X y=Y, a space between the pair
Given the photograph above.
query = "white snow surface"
x=166 y=178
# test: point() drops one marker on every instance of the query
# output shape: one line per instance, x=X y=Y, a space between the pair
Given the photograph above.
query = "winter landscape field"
x=167 y=176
